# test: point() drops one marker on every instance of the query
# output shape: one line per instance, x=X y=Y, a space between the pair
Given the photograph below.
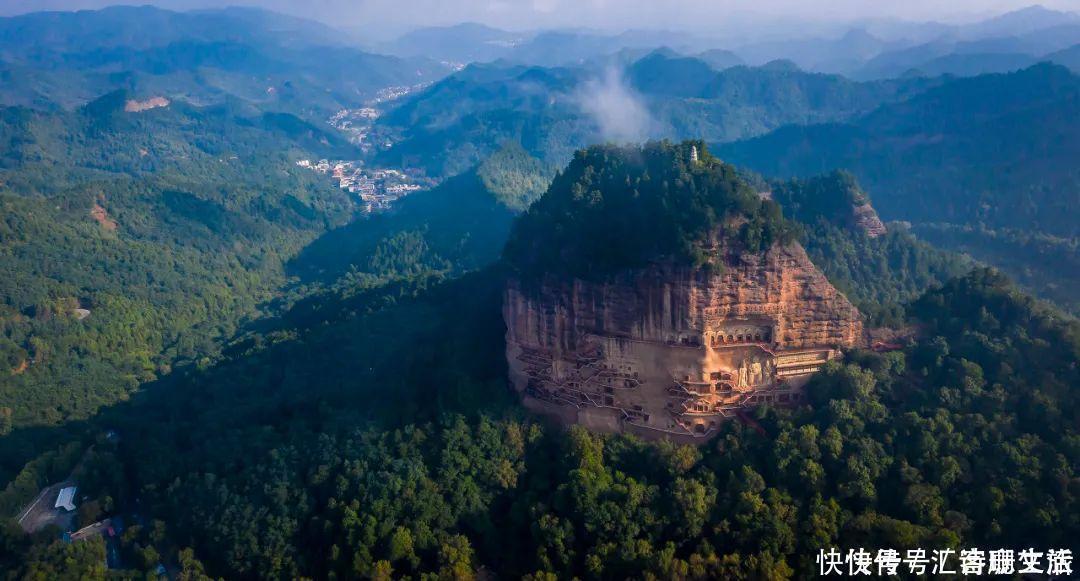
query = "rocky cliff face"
x=673 y=350
x=866 y=219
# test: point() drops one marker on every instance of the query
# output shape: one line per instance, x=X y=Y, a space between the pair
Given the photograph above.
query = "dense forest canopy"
x=918 y=448
x=880 y=271
x=620 y=207
x=131 y=242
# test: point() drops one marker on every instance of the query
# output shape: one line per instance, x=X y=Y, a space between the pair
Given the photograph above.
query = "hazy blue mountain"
x=41 y=35
x=68 y=58
x=573 y=47
x=886 y=49
x=673 y=75
x=962 y=54
x=1025 y=20
x=1069 y=57
x=970 y=65
x=841 y=54
x=720 y=59
x=463 y=43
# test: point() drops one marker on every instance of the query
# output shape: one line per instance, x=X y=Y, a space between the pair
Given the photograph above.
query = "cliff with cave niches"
x=671 y=345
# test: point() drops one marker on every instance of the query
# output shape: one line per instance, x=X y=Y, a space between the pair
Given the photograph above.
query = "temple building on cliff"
x=673 y=351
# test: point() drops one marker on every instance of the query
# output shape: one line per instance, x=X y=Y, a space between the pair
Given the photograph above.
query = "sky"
x=603 y=14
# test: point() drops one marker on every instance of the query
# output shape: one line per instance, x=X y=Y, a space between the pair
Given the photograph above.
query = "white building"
x=66 y=498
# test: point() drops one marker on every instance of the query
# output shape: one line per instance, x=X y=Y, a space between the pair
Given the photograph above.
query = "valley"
x=282 y=299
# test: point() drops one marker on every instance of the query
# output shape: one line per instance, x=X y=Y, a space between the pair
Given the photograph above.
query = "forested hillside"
x=554 y=111
x=323 y=448
x=994 y=153
x=368 y=431
x=617 y=208
x=880 y=269
x=64 y=59
x=131 y=241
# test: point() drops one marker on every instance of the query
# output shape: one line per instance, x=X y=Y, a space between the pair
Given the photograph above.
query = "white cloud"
x=619 y=113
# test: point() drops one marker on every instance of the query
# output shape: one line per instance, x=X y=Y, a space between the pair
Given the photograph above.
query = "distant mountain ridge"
x=868 y=50
x=990 y=156
x=65 y=59
x=553 y=111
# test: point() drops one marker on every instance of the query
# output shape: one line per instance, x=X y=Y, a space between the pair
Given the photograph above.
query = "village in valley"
x=377 y=188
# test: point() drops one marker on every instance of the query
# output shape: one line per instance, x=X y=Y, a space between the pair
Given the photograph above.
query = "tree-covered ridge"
x=880 y=275
x=994 y=149
x=514 y=177
x=457 y=226
x=551 y=112
x=977 y=160
x=957 y=441
x=1047 y=265
x=58 y=60
x=621 y=207
x=879 y=270
x=133 y=242
x=831 y=198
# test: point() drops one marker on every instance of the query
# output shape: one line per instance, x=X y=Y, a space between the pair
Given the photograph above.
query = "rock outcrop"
x=136 y=106
x=672 y=350
x=865 y=218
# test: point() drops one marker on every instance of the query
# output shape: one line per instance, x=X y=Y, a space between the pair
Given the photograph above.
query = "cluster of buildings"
x=356 y=124
x=376 y=188
x=397 y=92
x=359 y=124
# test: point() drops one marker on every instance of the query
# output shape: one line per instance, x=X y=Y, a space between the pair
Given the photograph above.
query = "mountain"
x=468 y=43
x=65 y=59
x=993 y=151
x=462 y=43
x=42 y=35
x=1025 y=20
x=838 y=55
x=1069 y=57
x=967 y=54
x=720 y=59
x=377 y=420
x=458 y=226
x=712 y=290
x=137 y=235
x=970 y=65
x=245 y=377
x=553 y=111
x=880 y=269
x=884 y=48
x=670 y=75
x=554 y=48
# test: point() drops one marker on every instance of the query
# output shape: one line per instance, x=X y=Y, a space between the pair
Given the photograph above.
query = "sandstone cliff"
x=655 y=291
x=665 y=302
x=670 y=349
x=865 y=218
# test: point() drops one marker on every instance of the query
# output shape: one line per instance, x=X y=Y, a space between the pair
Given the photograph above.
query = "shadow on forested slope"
x=457 y=226
x=410 y=350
